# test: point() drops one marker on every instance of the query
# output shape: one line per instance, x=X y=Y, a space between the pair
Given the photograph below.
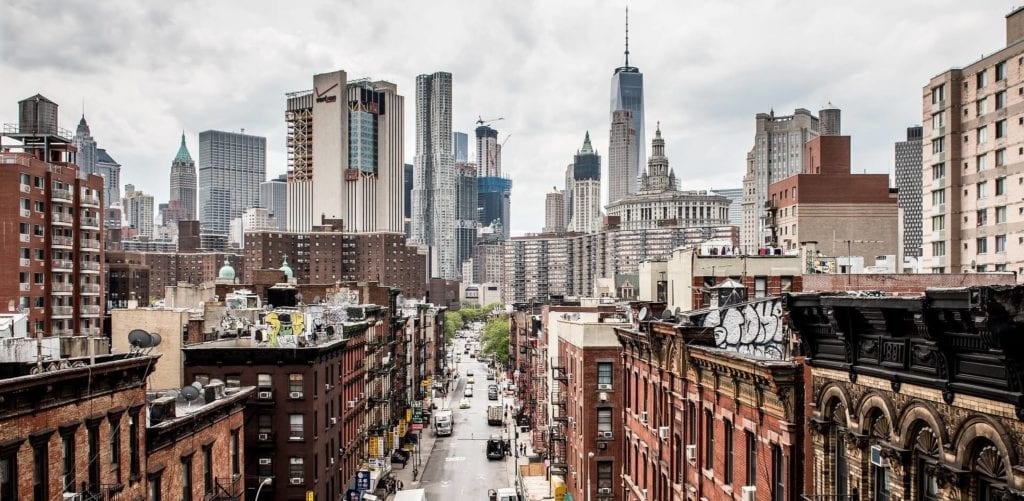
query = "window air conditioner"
x=749 y=493
x=691 y=452
x=264 y=461
x=606 y=434
x=604 y=387
x=265 y=395
x=876 y=456
x=603 y=396
x=327 y=387
x=643 y=417
x=334 y=420
x=351 y=404
x=295 y=394
x=663 y=432
x=604 y=490
x=296 y=480
x=263 y=437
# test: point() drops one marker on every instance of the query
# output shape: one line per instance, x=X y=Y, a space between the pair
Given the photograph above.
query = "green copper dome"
x=287 y=270
x=587 y=148
x=183 y=156
x=226 y=271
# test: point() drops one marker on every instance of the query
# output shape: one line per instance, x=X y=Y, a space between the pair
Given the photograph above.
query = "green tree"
x=452 y=323
x=494 y=339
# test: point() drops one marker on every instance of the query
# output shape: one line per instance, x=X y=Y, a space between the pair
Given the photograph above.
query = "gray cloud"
x=148 y=70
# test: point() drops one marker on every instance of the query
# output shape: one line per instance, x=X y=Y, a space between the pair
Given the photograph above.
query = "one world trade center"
x=628 y=94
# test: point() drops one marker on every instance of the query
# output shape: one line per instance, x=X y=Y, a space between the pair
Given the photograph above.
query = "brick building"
x=915 y=397
x=127 y=278
x=194 y=443
x=587 y=401
x=53 y=270
x=74 y=428
x=713 y=404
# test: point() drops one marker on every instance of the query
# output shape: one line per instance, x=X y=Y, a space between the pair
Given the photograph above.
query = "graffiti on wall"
x=754 y=328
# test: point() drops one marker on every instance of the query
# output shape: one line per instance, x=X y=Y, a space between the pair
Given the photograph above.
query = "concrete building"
x=586 y=190
x=660 y=203
x=466 y=224
x=274 y=198
x=407 y=182
x=778 y=153
x=299 y=118
x=853 y=215
x=936 y=420
x=628 y=94
x=231 y=167
x=172 y=326
x=972 y=210
x=52 y=264
x=127 y=279
x=434 y=195
x=253 y=219
x=909 y=196
x=623 y=172
x=110 y=170
x=460 y=147
x=480 y=294
x=535 y=266
x=489 y=262
x=554 y=212
x=138 y=211
x=488 y=152
x=183 y=186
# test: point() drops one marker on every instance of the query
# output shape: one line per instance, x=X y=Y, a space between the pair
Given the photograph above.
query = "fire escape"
x=559 y=421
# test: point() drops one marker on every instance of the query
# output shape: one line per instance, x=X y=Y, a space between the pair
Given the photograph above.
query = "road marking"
x=454 y=458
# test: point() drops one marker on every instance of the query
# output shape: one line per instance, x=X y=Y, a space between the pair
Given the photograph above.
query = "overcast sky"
x=148 y=70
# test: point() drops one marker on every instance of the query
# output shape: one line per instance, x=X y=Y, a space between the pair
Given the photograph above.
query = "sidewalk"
x=537 y=488
x=427 y=439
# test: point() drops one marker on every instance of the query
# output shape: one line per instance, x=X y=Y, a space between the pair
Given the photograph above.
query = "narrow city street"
x=458 y=467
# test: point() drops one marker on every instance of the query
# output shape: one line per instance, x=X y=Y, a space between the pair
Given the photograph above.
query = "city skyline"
x=713 y=115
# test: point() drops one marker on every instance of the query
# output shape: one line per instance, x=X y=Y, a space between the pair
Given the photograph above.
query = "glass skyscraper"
x=231 y=168
x=628 y=94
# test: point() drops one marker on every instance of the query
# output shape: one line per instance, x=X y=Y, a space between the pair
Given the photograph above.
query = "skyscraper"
x=407 y=176
x=299 y=117
x=111 y=172
x=488 y=152
x=554 y=211
x=182 y=203
x=586 y=190
x=908 y=182
x=467 y=224
x=735 y=196
x=138 y=210
x=357 y=142
x=495 y=204
x=434 y=195
x=778 y=153
x=274 y=198
x=83 y=140
x=460 y=146
x=628 y=94
x=622 y=157
x=231 y=167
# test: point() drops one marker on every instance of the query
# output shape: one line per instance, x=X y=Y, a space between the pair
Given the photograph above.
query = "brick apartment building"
x=705 y=415
x=74 y=428
x=53 y=270
x=586 y=426
x=846 y=214
x=194 y=443
x=915 y=397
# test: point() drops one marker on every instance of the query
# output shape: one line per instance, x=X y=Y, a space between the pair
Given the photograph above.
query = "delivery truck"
x=443 y=422
x=494 y=415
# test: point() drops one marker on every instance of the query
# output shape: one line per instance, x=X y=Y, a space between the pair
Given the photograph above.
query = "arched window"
x=926 y=453
x=880 y=430
x=836 y=449
x=989 y=471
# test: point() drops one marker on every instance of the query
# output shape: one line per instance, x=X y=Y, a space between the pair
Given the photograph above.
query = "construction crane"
x=480 y=120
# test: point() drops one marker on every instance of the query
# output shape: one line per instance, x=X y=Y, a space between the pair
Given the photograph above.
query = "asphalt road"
x=458 y=468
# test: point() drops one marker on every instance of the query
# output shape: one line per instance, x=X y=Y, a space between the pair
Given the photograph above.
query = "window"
x=232 y=381
x=752 y=458
x=604 y=373
x=709 y=441
x=186 y=478
x=1000 y=157
x=938 y=145
x=938 y=171
x=605 y=476
x=93 y=441
x=1000 y=186
x=938 y=120
x=155 y=488
x=938 y=223
x=982 y=244
x=1000 y=99
x=786 y=283
x=982 y=189
x=1000 y=243
x=982 y=216
x=295 y=468
x=983 y=134
x=1000 y=129
x=295 y=423
x=208 y=469
x=115 y=448
x=295 y=385
x=778 y=474
x=938 y=94
x=938 y=197
x=264 y=381
x=979 y=161
x=727 y=432
x=40 y=470
x=235 y=467
x=982 y=106
x=8 y=475
x=939 y=248
x=1000 y=71
x=133 y=446
x=760 y=287
x=1000 y=214
x=203 y=379
x=604 y=420
x=982 y=79
x=67 y=440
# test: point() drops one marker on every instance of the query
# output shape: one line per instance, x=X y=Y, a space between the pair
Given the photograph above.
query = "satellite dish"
x=197 y=385
x=679 y=311
x=667 y=314
x=189 y=393
x=643 y=314
x=139 y=338
x=175 y=394
x=155 y=339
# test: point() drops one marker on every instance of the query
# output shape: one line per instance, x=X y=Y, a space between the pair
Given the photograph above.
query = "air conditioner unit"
x=749 y=493
x=603 y=396
x=334 y=420
x=876 y=455
x=263 y=436
x=265 y=395
x=602 y=445
x=643 y=417
x=295 y=480
x=330 y=460
x=327 y=387
x=362 y=395
x=604 y=387
x=351 y=404
x=295 y=394
x=691 y=452
x=604 y=490
x=663 y=432
x=604 y=434
x=264 y=461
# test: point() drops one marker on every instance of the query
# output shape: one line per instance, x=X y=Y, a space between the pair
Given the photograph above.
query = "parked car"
x=468 y=392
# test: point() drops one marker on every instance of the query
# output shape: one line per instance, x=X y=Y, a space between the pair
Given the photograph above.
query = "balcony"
x=90 y=331
x=558 y=398
x=62 y=311
x=62 y=287
x=89 y=222
x=90 y=288
x=62 y=218
x=62 y=332
x=90 y=267
x=226 y=488
x=67 y=242
x=62 y=264
x=59 y=195
x=92 y=200
x=88 y=243
x=90 y=310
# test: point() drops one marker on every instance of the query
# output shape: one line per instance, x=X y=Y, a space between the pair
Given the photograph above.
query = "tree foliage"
x=494 y=339
x=452 y=323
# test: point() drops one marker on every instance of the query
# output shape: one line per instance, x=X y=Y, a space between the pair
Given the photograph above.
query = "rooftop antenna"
x=627 y=35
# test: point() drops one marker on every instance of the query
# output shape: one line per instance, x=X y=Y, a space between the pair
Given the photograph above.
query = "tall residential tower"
x=908 y=181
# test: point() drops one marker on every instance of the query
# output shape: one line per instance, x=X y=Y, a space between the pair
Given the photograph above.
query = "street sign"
x=362 y=481
x=352 y=495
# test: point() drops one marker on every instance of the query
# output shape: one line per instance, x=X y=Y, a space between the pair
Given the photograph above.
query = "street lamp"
x=590 y=456
x=266 y=481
